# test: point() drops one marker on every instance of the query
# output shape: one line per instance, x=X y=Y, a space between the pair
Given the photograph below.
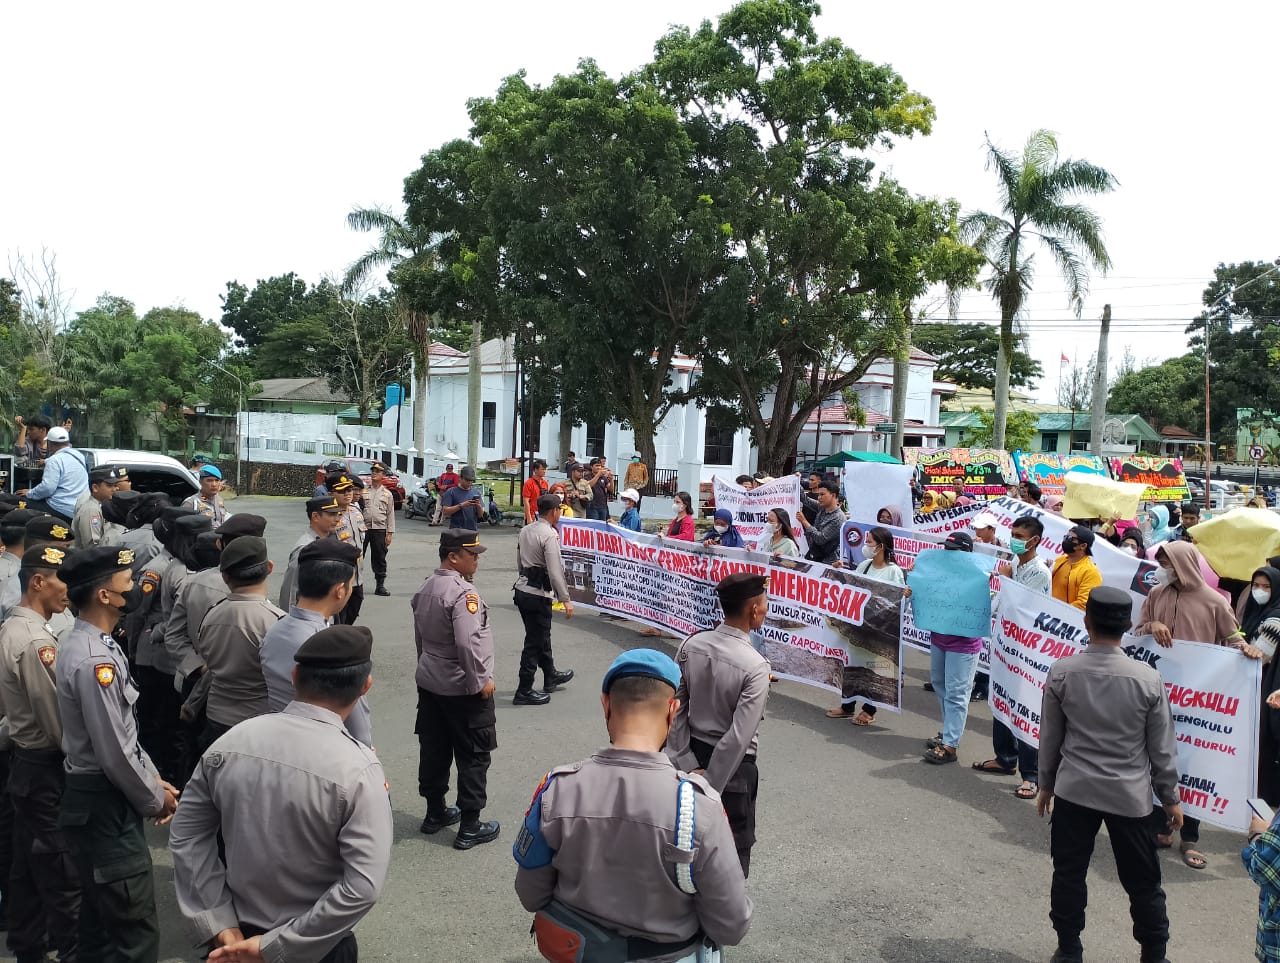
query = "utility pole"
x=1098 y=413
x=1208 y=446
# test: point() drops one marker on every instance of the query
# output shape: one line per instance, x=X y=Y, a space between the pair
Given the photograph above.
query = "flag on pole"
x=1066 y=360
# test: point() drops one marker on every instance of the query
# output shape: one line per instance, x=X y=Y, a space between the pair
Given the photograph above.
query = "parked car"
x=360 y=468
x=149 y=471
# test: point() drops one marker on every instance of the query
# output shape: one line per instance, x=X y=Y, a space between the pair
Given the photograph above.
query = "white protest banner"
x=826 y=627
x=1214 y=693
x=751 y=507
x=871 y=487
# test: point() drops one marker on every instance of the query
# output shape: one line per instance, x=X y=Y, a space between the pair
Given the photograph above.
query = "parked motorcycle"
x=421 y=502
x=493 y=514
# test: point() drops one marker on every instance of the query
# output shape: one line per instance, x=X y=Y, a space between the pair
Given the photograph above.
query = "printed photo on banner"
x=1214 y=695
x=1049 y=469
x=1163 y=476
x=879 y=491
x=751 y=507
x=977 y=472
x=826 y=627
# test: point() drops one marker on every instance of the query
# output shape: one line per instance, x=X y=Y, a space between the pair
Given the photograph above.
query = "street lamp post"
x=240 y=404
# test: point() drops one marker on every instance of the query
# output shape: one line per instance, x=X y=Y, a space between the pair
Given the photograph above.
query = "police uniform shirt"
x=172 y=574
x=229 y=643
x=351 y=529
x=143 y=543
x=86 y=521
x=452 y=635
x=96 y=697
x=290 y=789
x=212 y=508
x=198 y=593
x=10 y=587
x=28 y=654
x=539 y=547
x=289 y=584
x=724 y=683
x=603 y=831
x=280 y=645
x=380 y=509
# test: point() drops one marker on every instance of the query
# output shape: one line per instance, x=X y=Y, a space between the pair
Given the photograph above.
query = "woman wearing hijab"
x=1158 y=520
x=723 y=532
x=1183 y=606
x=889 y=516
x=1260 y=622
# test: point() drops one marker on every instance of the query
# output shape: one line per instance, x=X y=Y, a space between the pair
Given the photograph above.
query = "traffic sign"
x=1256 y=452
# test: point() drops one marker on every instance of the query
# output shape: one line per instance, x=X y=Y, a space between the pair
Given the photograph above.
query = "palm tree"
x=1037 y=193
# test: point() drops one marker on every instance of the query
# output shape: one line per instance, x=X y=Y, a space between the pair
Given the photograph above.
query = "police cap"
x=649 y=663
x=737 y=588
x=95 y=564
x=48 y=528
x=461 y=539
x=238 y=525
x=243 y=553
x=339 y=482
x=326 y=504
x=104 y=473
x=337 y=647
x=329 y=550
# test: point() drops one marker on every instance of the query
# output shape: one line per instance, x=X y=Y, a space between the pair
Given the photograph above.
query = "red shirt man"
x=448 y=478
x=533 y=489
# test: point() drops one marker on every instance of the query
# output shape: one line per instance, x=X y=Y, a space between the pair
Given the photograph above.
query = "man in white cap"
x=631 y=516
x=66 y=478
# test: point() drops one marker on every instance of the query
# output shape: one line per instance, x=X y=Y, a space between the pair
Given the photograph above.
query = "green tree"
x=1169 y=393
x=1020 y=430
x=966 y=354
x=254 y=313
x=1037 y=209
x=98 y=341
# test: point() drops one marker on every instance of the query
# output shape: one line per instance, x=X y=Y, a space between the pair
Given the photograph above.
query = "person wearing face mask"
x=636 y=476
x=889 y=516
x=778 y=537
x=1156 y=525
x=1182 y=606
x=878 y=562
x=1260 y=622
x=1131 y=543
x=679 y=894
x=723 y=532
x=682 y=526
x=630 y=519
x=111 y=782
x=1074 y=573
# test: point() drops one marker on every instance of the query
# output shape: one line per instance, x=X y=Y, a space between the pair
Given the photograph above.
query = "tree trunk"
x=565 y=437
x=473 y=394
x=420 y=376
x=901 y=375
x=1000 y=413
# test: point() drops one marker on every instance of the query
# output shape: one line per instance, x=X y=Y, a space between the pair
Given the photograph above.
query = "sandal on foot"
x=863 y=718
x=1027 y=791
x=940 y=754
x=840 y=712
x=993 y=766
x=934 y=742
x=1192 y=856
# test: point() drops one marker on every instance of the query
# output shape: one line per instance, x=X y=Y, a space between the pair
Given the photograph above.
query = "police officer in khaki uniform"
x=112 y=783
x=723 y=687
x=13 y=542
x=323 y=517
x=207 y=501
x=304 y=812
x=231 y=637
x=541 y=580
x=628 y=806
x=86 y=523
x=380 y=516
x=351 y=530
x=44 y=530
x=456 y=715
x=45 y=893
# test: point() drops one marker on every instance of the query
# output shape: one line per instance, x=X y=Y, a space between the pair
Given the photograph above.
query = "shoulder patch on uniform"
x=473 y=603
x=150 y=580
x=47 y=654
x=105 y=673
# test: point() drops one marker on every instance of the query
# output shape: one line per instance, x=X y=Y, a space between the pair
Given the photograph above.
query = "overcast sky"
x=163 y=149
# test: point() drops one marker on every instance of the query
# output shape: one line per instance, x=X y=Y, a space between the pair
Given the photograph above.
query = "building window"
x=595 y=439
x=488 y=423
x=1049 y=441
x=718 y=441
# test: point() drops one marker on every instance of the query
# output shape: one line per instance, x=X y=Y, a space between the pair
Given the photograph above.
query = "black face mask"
x=1069 y=545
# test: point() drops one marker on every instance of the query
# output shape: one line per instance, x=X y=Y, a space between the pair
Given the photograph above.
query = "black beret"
x=205 y=552
x=1109 y=604
x=105 y=473
x=329 y=550
x=48 y=528
x=737 y=588
x=326 y=504
x=192 y=525
x=6 y=507
x=18 y=517
x=338 y=482
x=336 y=647
x=163 y=524
x=117 y=508
x=95 y=564
x=47 y=556
x=460 y=539
x=244 y=552
x=238 y=525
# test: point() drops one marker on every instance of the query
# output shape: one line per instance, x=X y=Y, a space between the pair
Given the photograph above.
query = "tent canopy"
x=840 y=457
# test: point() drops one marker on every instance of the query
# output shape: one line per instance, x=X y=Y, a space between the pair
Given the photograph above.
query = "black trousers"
x=376 y=542
x=739 y=798
x=6 y=831
x=118 y=922
x=42 y=505
x=344 y=952
x=1189 y=833
x=1074 y=830
x=159 y=721
x=461 y=729
x=44 y=887
x=351 y=611
x=535 y=611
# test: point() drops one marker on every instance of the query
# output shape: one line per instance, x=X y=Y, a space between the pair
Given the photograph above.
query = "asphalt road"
x=865 y=853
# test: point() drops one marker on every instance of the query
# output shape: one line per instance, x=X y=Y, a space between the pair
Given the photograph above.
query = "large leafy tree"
x=827 y=257
x=1169 y=393
x=255 y=313
x=966 y=354
x=1039 y=210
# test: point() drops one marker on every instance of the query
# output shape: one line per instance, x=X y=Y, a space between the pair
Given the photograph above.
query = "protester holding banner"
x=953 y=662
x=1183 y=606
x=1260 y=622
x=723 y=532
x=1107 y=743
x=1131 y=542
x=878 y=563
x=1075 y=574
x=822 y=521
x=682 y=526
x=630 y=519
x=984 y=531
x=778 y=538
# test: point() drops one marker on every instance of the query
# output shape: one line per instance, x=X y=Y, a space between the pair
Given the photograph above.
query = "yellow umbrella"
x=1237 y=543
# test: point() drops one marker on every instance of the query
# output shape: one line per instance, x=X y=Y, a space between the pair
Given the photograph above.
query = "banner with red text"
x=1163 y=476
x=1049 y=469
x=1214 y=693
x=978 y=472
x=826 y=627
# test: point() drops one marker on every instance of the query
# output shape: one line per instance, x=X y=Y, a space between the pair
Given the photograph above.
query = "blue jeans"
x=952 y=676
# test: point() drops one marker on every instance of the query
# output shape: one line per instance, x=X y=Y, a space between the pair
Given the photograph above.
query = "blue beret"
x=212 y=471
x=646 y=662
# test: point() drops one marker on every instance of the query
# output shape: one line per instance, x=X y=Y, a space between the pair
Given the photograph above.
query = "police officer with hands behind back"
x=111 y=783
x=540 y=581
x=456 y=716
x=682 y=892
